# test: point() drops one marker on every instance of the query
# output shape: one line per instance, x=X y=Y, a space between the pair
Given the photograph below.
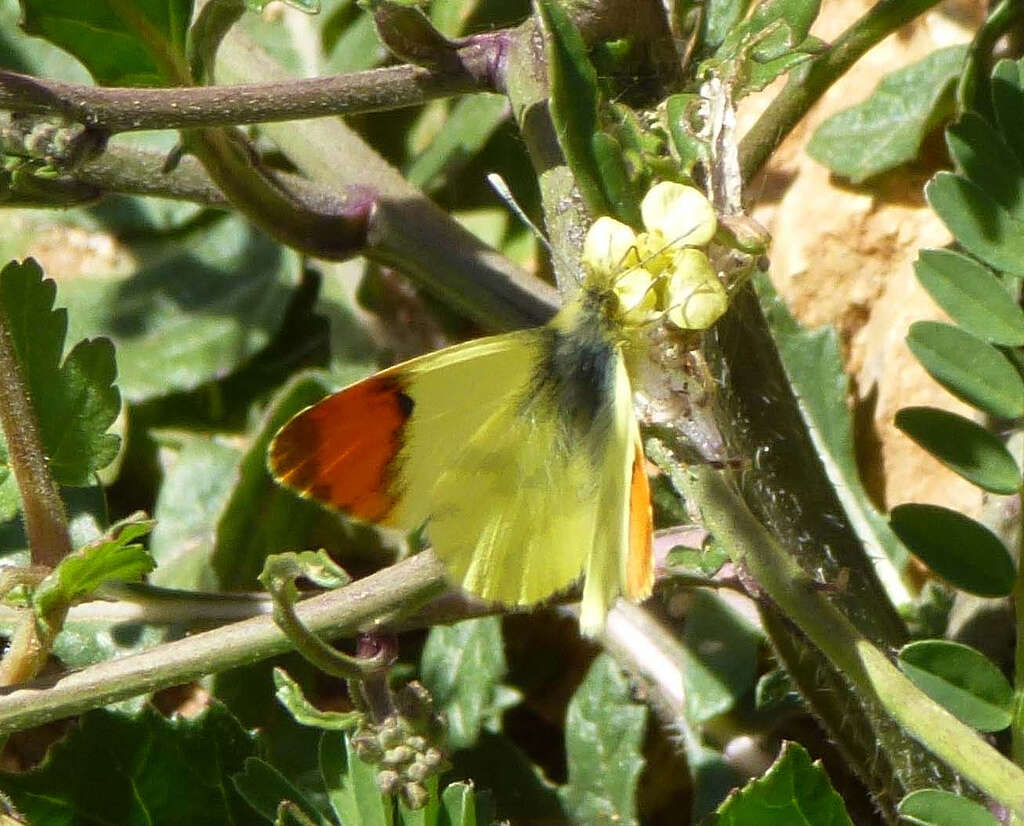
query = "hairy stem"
x=804 y=602
x=809 y=82
x=359 y=605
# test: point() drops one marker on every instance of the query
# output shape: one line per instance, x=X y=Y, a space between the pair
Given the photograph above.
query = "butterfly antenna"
x=501 y=188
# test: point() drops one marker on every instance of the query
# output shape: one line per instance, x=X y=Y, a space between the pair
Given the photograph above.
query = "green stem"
x=46 y=523
x=802 y=600
x=808 y=83
x=330 y=615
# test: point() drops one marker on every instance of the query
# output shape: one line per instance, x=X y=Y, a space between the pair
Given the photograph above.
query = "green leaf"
x=981 y=154
x=935 y=807
x=978 y=223
x=573 y=103
x=887 y=129
x=289 y=693
x=116 y=768
x=75 y=402
x=957 y=548
x=264 y=788
x=202 y=302
x=680 y=111
x=604 y=731
x=963 y=446
x=968 y=367
x=719 y=17
x=794 y=790
x=196 y=485
x=118 y=48
x=972 y=296
x=352 y=784
x=964 y=681
x=720 y=657
x=760 y=73
x=261 y=518
x=462 y=666
x=1008 y=101
x=116 y=556
x=814 y=365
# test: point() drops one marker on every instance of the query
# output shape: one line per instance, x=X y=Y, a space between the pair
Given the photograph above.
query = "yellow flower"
x=681 y=215
x=693 y=296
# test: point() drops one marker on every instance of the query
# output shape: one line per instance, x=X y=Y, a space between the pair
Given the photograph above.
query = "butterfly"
x=520 y=452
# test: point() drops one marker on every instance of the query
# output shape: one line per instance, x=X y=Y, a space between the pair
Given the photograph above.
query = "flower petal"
x=680 y=213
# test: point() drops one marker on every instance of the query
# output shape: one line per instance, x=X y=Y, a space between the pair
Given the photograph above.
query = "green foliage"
x=934 y=807
x=462 y=666
x=114 y=557
x=968 y=367
x=73 y=395
x=956 y=548
x=720 y=657
x=963 y=680
x=972 y=296
x=604 y=731
x=793 y=790
x=118 y=768
x=887 y=129
x=119 y=49
x=962 y=446
x=290 y=695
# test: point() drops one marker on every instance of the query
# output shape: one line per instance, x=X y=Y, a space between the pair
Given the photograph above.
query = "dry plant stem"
x=809 y=82
x=870 y=671
x=362 y=604
x=130 y=109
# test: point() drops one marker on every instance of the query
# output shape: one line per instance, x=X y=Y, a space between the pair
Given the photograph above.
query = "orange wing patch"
x=341 y=451
x=640 y=562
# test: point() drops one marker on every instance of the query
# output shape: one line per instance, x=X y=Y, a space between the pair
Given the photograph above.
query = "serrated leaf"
x=116 y=557
x=972 y=296
x=793 y=790
x=352 y=784
x=968 y=367
x=963 y=446
x=964 y=681
x=573 y=103
x=935 y=807
x=1008 y=101
x=604 y=730
x=462 y=666
x=982 y=155
x=720 y=657
x=290 y=695
x=264 y=788
x=116 y=768
x=887 y=129
x=814 y=365
x=118 y=49
x=202 y=302
x=74 y=402
x=955 y=547
x=978 y=223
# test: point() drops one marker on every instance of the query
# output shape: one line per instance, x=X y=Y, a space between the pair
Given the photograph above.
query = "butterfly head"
x=661 y=272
